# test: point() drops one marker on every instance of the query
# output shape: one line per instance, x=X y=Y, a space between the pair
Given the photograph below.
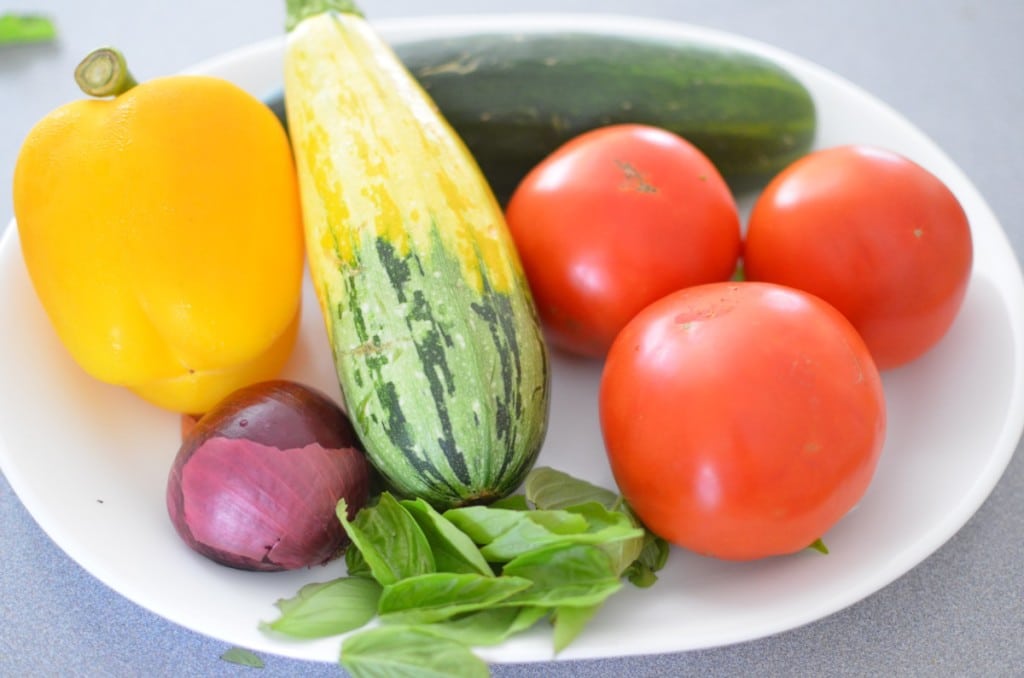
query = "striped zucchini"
x=434 y=335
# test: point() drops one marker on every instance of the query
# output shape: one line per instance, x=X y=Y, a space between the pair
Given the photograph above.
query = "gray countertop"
x=950 y=66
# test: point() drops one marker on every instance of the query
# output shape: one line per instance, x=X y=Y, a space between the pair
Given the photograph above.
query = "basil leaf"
x=441 y=595
x=237 y=655
x=327 y=609
x=483 y=524
x=640 y=575
x=453 y=550
x=514 y=502
x=409 y=652
x=491 y=626
x=355 y=563
x=558 y=522
x=604 y=524
x=624 y=553
x=569 y=621
x=389 y=538
x=653 y=556
x=637 y=559
x=589 y=523
x=547 y=488
x=577 y=575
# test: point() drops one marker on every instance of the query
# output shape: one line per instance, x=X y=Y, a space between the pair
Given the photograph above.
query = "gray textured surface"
x=950 y=66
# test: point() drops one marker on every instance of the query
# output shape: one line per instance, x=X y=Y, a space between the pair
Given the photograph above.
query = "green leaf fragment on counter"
x=409 y=652
x=237 y=655
x=25 y=28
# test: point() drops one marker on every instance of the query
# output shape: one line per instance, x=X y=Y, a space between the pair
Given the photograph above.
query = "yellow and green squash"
x=436 y=342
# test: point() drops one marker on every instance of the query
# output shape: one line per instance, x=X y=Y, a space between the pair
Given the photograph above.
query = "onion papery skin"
x=256 y=481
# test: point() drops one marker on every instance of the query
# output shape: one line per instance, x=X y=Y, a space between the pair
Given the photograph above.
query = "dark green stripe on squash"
x=425 y=436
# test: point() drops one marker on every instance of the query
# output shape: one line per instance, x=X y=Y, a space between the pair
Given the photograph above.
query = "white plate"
x=90 y=462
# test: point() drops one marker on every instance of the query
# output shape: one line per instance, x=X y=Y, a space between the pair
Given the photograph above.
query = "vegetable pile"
x=454 y=243
x=441 y=583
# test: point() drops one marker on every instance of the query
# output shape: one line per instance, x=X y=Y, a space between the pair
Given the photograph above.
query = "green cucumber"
x=515 y=97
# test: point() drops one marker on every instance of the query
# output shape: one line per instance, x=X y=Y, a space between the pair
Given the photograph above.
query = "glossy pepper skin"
x=162 y=232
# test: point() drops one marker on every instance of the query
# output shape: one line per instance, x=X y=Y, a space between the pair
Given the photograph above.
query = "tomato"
x=614 y=219
x=874 y=234
x=741 y=419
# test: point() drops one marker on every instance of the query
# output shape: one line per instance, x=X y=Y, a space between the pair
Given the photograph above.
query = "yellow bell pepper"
x=162 y=232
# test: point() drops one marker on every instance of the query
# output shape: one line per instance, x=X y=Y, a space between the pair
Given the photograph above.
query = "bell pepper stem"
x=104 y=73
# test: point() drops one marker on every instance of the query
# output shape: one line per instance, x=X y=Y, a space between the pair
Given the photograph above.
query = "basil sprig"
x=440 y=584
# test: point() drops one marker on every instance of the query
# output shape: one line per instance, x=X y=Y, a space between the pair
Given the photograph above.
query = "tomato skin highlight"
x=615 y=219
x=741 y=420
x=875 y=235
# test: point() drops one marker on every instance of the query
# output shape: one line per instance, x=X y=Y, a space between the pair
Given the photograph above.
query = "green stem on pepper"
x=104 y=73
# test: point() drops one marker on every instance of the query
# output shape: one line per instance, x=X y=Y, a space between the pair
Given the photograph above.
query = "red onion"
x=256 y=481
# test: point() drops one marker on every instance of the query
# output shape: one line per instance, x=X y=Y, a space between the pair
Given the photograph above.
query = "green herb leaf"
x=490 y=626
x=514 y=502
x=506 y=534
x=453 y=550
x=442 y=595
x=328 y=609
x=409 y=652
x=389 y=538
x=624 y=553
x=23 y=28
x=356 y=564
x=441 y=583
x=547 y=488
x=577 y=575
x=569 y=621
x=535 y=529
x=237 y=655
x=652 y=557
x=484 y=524
x=588 y=523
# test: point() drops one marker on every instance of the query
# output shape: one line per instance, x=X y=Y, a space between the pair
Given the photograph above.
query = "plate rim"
x=929 y=543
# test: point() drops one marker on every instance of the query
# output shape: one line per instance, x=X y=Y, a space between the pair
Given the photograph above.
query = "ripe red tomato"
x=614 y=219
x=874 y=234
x=741 y=419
